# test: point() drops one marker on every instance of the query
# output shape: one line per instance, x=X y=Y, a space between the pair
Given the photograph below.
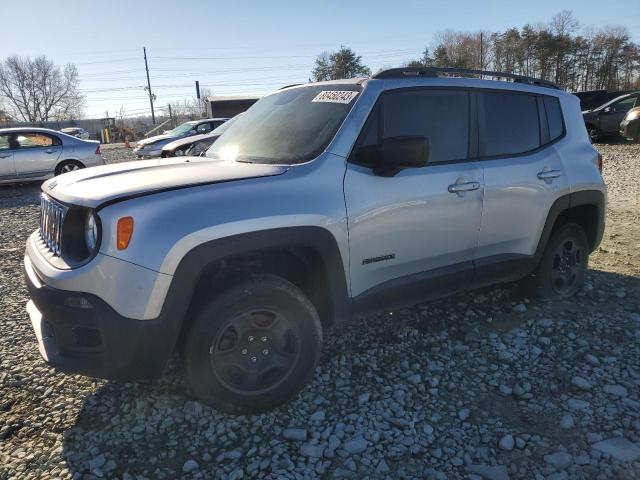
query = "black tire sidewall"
x=261 y=291
x=60 y=166
x=542 y=284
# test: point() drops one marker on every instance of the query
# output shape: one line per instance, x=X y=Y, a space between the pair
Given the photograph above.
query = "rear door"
x=418 y=229
x=7 y=168
x=523 y=174
x=36 y=154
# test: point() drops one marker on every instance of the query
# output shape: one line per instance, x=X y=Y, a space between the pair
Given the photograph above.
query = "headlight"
x=633 y=115
x=90 y=232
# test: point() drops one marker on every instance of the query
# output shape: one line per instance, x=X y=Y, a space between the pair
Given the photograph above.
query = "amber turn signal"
x=125 y=231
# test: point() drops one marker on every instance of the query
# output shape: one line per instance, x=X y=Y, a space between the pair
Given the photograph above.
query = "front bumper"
x=80 y=333
x=145 y=152
x=630 y=129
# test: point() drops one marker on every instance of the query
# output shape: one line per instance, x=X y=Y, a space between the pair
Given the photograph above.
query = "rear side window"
x=554 y=117
x=508 y=123
x=441 y=116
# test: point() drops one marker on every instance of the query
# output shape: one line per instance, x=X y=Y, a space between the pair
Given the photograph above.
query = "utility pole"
x=171 y=117
x=481 y=53
x=146 y=66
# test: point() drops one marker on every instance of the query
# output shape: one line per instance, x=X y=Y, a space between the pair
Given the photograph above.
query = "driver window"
x=623 y=106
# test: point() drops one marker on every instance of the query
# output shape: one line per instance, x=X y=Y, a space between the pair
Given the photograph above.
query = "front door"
x=611 y=116
x=36 y=154
x=420 y=225
x=7 y=168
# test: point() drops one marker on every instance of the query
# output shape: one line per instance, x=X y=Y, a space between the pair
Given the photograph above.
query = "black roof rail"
x=404 y=72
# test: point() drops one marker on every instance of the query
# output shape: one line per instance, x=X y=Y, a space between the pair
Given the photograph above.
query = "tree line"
x=590 y=59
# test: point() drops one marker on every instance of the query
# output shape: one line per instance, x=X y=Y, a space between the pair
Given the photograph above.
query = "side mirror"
x=192 y=132
x=397 y=153
x=609 y=110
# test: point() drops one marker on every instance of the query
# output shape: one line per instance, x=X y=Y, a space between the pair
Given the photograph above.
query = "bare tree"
x=38 y=90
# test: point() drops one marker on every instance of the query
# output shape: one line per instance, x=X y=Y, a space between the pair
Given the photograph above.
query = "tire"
x=68 y=166
x=253 y=347
x=561 y=271
x=594 y=134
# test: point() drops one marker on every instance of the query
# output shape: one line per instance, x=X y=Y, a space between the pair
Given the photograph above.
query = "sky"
x=251 y=47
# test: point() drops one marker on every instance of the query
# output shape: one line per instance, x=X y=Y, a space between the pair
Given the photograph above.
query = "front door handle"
x=49 y=151
x=464 y=187
x=549 y=174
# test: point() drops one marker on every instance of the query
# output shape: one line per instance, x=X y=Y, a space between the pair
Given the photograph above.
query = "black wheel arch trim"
x=194 y=264
x=594 y=198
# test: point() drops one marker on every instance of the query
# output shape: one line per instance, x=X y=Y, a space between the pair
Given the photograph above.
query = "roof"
x=28 y=129
x=224 y=98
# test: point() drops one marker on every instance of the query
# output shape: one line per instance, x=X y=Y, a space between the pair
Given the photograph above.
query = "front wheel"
x=563 y=266
x=253 y=347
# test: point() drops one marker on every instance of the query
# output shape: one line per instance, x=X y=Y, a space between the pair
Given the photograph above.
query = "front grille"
x=52 y=216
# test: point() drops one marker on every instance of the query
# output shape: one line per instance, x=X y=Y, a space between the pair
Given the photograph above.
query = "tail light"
x=599 y=162
x=98 y=150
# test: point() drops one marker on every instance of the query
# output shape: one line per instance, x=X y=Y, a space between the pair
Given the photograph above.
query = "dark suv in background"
x=605 y=120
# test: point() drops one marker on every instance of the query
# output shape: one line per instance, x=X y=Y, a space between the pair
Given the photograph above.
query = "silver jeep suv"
x=322 y=201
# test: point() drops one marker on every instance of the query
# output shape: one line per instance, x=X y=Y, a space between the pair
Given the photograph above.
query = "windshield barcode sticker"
x=335 y=96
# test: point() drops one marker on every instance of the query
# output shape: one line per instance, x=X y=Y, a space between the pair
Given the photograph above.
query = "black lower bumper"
x=80 y=333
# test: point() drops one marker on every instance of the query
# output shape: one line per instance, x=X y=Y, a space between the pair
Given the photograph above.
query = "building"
x=229 y=106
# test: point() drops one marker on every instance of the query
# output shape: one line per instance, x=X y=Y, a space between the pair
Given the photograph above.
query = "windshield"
x=181 y=129
x=287 y=127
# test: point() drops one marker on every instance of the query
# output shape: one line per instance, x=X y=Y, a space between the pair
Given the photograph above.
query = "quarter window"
x=441 y=116
x=508 y=123
x=4 y=142
x=554 y=117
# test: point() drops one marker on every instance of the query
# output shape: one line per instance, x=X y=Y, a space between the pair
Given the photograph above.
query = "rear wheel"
x=563 y=266
x=253 y=347
x=68 y=166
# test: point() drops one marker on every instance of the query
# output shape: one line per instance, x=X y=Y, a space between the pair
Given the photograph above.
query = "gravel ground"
x=482 y=385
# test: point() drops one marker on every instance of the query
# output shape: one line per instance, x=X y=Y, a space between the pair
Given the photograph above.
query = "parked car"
x=152 y=147
x=39 y=153
x=195 y=145
x=605 y=120
x=321 y=202
x=630 y=126
x=76 y=132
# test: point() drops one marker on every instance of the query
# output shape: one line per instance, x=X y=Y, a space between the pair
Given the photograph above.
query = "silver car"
x=40 y=153
x=152 y=147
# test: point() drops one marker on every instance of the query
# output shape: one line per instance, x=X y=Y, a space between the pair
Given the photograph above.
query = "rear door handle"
x=464 y=187
x=549 y=174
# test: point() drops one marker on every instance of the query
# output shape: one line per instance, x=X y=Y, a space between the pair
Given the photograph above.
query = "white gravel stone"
x=581 y=383
x=463 y=414
x=355 y=445
x=506 y=442
x=297 y=434
x=559 y=460
x=616 y=390
x=566 y=422
x=190 y=466
x=619 y=448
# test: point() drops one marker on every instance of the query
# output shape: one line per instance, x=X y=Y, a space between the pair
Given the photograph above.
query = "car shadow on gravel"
x=20 y=195
x=152 y=429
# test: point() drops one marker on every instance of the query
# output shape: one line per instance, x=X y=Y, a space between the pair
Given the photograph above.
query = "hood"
x=157 y=138
x=91 y=187
x=181 y=142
